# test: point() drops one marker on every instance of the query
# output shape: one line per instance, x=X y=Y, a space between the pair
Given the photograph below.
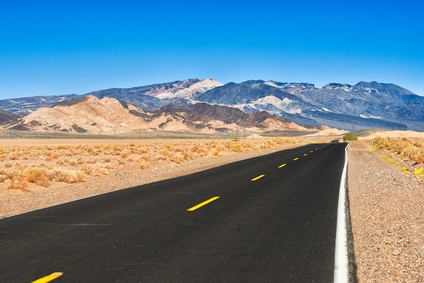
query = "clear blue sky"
x=63 y=47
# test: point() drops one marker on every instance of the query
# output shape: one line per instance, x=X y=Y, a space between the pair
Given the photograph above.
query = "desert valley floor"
x=386 y=204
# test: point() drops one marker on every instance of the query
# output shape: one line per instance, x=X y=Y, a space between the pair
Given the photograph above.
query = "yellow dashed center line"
x=282 y=165
x=311 y=151
x=257 y=178
x=202 y=204
x=48 y=278
x=297 y=158
x=305 y=154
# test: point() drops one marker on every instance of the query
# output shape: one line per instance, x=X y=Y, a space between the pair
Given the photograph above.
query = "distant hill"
x=110 y=116
x=351 y=107
x=7 y=117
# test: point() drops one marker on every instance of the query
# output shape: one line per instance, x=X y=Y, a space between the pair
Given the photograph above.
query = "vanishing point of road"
x=266 y=219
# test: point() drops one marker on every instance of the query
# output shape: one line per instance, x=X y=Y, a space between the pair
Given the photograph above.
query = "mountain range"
x=343 y=106
x=109 y=116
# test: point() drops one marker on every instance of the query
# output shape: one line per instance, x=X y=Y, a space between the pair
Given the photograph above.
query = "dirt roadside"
x=387 y=213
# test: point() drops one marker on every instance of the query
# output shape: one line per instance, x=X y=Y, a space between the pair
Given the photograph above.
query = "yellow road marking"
x=297 y=158
x=282 y=165
x=311 y=151
x=257 y=178
x=48 y=278
x=202 y=204
x=305 y=154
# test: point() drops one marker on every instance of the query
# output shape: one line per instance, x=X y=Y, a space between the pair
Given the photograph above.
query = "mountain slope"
x=363 y=105
x=155 y=96
x=90 y=114
x=7 y=117
x=351 y=107
x=110 y=116
x=222 y=118
x=27 y=105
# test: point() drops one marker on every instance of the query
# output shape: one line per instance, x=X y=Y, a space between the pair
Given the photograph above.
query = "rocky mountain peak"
x=386 y=88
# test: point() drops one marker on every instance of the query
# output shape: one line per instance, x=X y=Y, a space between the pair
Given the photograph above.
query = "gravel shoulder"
x=387 y=214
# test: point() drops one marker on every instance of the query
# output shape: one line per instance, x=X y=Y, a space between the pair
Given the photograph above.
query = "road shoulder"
x=387 y=209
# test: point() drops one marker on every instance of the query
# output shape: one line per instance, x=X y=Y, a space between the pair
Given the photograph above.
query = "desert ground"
x=385 y=177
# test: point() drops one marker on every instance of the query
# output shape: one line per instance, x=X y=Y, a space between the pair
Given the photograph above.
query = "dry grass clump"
x=239 y=146
x=19 y=178
x=144 y=165
x=38 y=176
x=19 y=183
x=22 y=166
x=412 y=149
x=94 y=170
x=66 y=176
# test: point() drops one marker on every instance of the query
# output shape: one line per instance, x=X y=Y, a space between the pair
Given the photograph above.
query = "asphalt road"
x=279 y=227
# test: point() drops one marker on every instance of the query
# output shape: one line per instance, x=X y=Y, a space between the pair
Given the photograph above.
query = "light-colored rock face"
x=110 y=116
x=187 y=93
x=93 y=115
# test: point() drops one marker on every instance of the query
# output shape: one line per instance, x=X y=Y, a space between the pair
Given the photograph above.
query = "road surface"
x=266 y=219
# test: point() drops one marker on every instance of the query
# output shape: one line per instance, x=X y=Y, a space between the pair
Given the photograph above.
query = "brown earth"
x=387 y=212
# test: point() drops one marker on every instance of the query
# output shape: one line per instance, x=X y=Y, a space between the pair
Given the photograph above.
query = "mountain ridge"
x=110 y=116
x=344 y=106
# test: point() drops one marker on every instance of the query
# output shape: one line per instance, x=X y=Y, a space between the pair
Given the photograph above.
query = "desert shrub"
x=90 y=150
x=8 y=174
x=87 y=169
x=18 y=183
x=37 y=176
x=144 y=165
x=177 y=157
x=14 y=156
x=146 y=157
x=349 y=137
x=407 y=148
x=215 y=152
x=92 y=161
x=66 y=176
x=199 y=149
x=3 y=178
x=161 y=157
x=234 y=146
x=142 y=150
x=187 y=154
x=93 y=170
x=125 y=153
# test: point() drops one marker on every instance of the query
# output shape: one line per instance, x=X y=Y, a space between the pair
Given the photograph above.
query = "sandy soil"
x=387 y=212
x=396 y=134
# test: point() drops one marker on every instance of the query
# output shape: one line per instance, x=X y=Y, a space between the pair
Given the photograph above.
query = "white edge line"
x=341 y=256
